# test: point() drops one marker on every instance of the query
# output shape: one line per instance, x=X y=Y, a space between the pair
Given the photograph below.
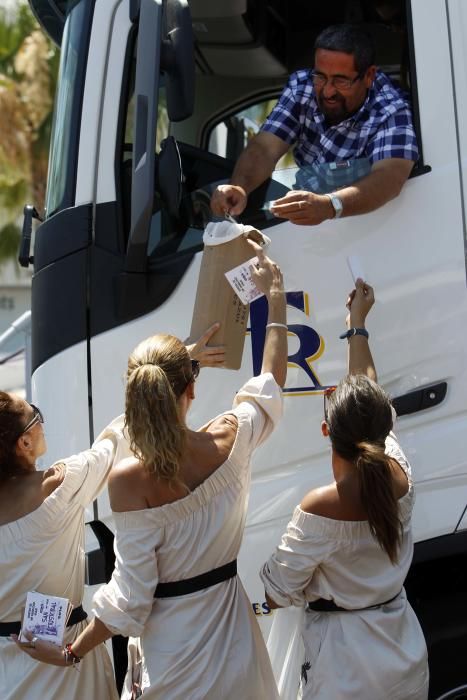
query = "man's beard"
x=336 y=112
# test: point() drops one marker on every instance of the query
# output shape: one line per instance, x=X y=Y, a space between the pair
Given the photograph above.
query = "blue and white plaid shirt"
x=382 y=127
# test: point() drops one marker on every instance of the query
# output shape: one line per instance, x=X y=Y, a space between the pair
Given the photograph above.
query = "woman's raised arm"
x=359 y=303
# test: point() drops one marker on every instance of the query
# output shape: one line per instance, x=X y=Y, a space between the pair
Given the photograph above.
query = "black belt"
x=197 y=583
x=323 y=605
x=77 y=615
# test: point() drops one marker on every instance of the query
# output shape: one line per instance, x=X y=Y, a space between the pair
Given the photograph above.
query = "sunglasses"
x=195 y=367
x=37 y=417
x=326 y=394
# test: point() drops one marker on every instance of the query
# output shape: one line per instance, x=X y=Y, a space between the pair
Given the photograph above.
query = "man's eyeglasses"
x=326 y=394
x=37 y=417
x=340 y=83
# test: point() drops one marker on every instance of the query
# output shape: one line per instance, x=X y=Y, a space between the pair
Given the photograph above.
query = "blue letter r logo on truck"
x=311 y=345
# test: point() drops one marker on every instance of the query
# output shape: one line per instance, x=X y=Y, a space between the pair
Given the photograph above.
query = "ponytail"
x=158 y=373
x=359 y=419
x=378 y=497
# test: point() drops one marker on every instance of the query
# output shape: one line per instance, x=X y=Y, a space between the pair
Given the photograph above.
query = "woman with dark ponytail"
x=347 y=550
x=41 y=548
x=179 y=505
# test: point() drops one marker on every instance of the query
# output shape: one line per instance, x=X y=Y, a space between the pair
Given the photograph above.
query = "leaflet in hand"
x=356 y=268
x=242 y=283
x=45 y=616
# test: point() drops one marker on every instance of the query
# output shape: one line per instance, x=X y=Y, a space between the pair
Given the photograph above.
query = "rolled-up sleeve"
x=284 y=120
x=261 y=398
x=290 y=569
x=125 y=603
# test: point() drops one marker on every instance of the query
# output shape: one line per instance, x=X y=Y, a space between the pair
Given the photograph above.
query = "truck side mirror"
x=24 y=257
x=178 y=61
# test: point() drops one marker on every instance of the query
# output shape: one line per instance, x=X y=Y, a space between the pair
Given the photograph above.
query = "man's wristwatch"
x=336 y=203
x=354 y=331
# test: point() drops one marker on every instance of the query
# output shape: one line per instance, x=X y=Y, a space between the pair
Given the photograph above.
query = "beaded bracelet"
x=70 y=657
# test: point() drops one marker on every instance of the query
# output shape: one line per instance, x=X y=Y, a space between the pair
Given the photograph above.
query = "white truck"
x=118 y=253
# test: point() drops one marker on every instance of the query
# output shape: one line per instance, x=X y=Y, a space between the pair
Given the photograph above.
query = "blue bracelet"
x=354 y=331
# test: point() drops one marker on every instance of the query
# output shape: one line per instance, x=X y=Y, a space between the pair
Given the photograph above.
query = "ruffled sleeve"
x=261 y=399
x=290 y=569
x=87 y=472
x=395 y=451
x=125 y=603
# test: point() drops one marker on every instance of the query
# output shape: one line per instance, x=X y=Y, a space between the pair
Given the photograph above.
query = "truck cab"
x=156 y=100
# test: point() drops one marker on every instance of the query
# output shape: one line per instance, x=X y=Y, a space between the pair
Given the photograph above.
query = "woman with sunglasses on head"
x=42 y=549
x=347 y=550
x=180 y=505
x=42 y=542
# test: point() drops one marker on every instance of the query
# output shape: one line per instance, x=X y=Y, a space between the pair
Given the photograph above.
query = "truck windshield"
x=61 y=178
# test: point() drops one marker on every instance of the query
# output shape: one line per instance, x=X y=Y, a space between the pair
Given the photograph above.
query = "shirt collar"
x=364 y=112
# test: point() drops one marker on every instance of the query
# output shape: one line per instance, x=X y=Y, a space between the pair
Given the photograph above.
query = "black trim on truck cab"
x=51 y=16
x=436 y=587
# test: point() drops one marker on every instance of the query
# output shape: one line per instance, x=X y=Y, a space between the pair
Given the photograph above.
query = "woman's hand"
x=359 y=303
x=266 y=273
x=41 y=651
x=207 y=356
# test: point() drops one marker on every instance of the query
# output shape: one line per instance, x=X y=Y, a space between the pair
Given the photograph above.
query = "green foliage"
x=13 y=198
x=26 y=98
x=9 y=242
x=12 y=35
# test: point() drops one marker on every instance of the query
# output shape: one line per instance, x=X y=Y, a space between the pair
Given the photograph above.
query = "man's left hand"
x=303 y=208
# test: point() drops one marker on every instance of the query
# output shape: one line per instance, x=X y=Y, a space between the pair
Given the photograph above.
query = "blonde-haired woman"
x=42 y=541
x=179 y=506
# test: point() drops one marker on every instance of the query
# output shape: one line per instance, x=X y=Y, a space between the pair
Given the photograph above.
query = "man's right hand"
x=230 y=199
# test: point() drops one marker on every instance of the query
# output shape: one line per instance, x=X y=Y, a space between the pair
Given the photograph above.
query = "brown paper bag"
x=225 y=247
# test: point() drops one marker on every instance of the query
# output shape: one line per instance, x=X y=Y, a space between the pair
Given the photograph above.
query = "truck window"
x=230 y=136
x=66 y=123
x=201 y=171
x=390 y=25
x=210 y=145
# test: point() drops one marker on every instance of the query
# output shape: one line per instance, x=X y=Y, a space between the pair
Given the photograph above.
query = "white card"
x=45 y=616
x=356 y=269
x=242 y=283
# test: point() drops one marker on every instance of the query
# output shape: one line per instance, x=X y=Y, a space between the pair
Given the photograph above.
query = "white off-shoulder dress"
x=375 y=654
x=206 y=645
x=44 y=551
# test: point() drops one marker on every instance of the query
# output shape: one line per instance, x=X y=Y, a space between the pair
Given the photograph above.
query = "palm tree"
x=28 y=70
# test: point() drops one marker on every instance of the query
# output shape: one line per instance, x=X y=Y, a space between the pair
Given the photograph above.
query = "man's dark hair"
x=349 y=38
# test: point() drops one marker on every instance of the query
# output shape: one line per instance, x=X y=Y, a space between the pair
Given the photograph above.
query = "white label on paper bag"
x=242 y=283
x=45 y=616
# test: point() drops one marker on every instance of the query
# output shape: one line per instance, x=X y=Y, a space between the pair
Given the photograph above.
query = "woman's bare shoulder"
x=126 y=485
x=321 y=501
